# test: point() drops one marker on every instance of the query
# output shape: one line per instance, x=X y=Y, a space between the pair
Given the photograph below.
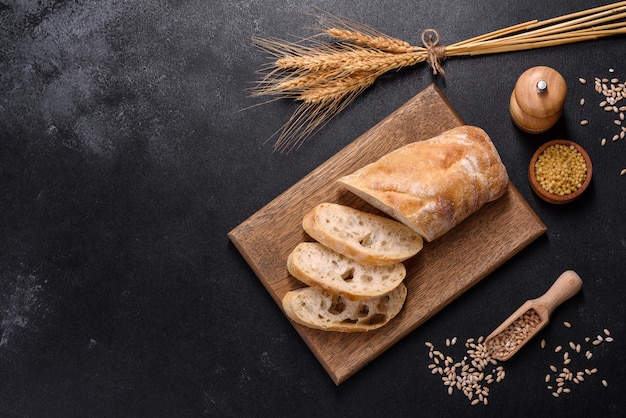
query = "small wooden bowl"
x=550 y=197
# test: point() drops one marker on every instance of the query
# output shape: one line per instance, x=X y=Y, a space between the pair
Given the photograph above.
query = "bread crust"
x=433 y=185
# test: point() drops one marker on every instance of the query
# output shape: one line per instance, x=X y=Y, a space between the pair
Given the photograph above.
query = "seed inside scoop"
x=514 y=334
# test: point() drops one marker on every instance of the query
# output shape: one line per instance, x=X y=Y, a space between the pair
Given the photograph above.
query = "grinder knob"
x=537 y=99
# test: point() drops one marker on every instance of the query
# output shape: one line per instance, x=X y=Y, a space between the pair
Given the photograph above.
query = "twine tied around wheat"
x=326 y=75
x=435 y=53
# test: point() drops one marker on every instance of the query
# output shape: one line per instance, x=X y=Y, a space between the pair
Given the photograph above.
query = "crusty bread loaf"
x=317 y=265
x=315 y=308
x=433 y=185
x=362 y=236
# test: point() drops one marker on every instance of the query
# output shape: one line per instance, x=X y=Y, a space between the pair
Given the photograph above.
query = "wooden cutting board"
x=442 y=271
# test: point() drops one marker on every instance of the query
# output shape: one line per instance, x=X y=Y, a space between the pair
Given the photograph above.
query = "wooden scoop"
x=531 y=317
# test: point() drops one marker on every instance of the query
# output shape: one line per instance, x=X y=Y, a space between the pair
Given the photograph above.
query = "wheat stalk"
x=348 y=60
x=326 y=77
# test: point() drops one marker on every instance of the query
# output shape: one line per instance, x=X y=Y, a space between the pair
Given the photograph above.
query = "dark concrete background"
x=129 y=148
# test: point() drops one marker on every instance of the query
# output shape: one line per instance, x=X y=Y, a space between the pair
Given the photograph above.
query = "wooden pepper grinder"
x=537 y=99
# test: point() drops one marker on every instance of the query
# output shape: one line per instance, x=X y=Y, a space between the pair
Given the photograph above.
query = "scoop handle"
x=565 y=286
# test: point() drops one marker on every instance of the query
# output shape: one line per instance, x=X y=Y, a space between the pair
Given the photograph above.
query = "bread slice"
x=316 y=308
x=433 y=185
x=317 y=265
x=362 y=236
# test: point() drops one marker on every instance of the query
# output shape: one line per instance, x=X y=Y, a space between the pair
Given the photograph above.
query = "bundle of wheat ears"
x=326 y=72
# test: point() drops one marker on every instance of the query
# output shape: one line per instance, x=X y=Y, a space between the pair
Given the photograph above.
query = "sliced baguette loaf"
x=362 y=236
x=433 y=185
x=315 y=308
x=317 y=265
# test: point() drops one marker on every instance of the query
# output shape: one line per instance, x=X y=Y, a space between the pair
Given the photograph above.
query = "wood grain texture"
x=441 y=272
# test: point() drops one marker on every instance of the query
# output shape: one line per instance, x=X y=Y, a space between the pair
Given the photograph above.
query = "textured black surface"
x=129 y=148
